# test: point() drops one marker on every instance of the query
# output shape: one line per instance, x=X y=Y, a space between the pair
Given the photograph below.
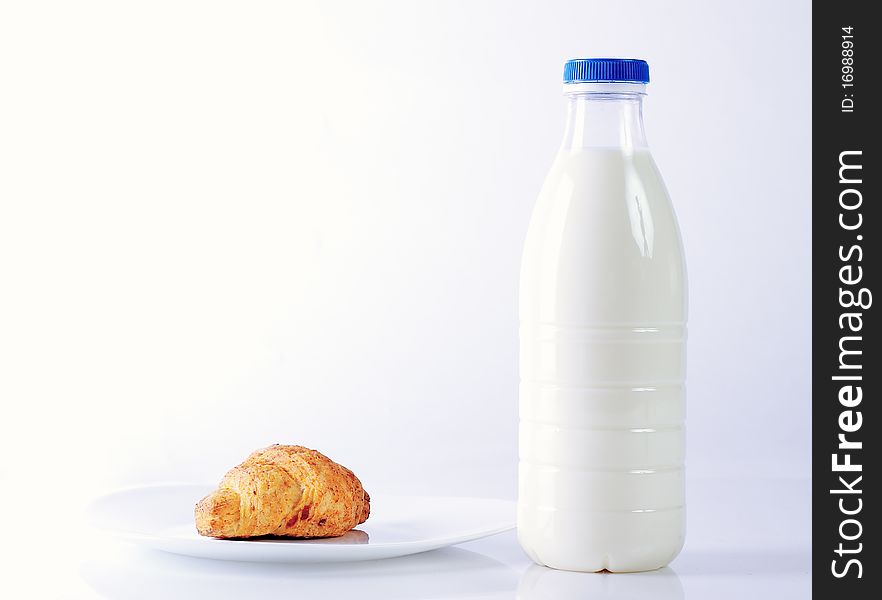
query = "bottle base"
x=597 y=566
x=591 y=542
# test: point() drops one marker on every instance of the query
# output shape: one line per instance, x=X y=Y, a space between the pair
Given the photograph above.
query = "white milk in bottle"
x=603 y=341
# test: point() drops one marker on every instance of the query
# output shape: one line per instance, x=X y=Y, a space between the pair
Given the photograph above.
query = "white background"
x=228 y=224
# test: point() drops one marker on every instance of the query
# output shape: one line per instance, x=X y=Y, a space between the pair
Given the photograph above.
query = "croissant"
x=286 y=491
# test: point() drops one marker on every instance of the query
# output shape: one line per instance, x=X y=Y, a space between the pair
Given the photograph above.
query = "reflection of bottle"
x=603 y=329
x=541 y=583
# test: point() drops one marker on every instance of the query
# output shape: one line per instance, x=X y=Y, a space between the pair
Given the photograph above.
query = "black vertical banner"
x=846 y=367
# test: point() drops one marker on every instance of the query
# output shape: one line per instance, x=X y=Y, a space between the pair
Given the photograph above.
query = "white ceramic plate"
x=161 y=517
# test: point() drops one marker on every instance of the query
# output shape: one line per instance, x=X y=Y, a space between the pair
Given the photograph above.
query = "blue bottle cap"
x=619 y=70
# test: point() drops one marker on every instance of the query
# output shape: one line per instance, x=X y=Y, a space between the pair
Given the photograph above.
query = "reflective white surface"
x=448 y=573
x=747 y=538
x=206 y=246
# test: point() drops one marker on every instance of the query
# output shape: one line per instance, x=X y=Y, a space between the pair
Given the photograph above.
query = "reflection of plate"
x=161 y=517
x=133 y=573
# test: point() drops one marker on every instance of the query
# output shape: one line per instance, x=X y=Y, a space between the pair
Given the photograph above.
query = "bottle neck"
x=604 y=115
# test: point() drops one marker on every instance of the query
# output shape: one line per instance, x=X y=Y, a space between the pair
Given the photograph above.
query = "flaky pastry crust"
x=287 y=491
